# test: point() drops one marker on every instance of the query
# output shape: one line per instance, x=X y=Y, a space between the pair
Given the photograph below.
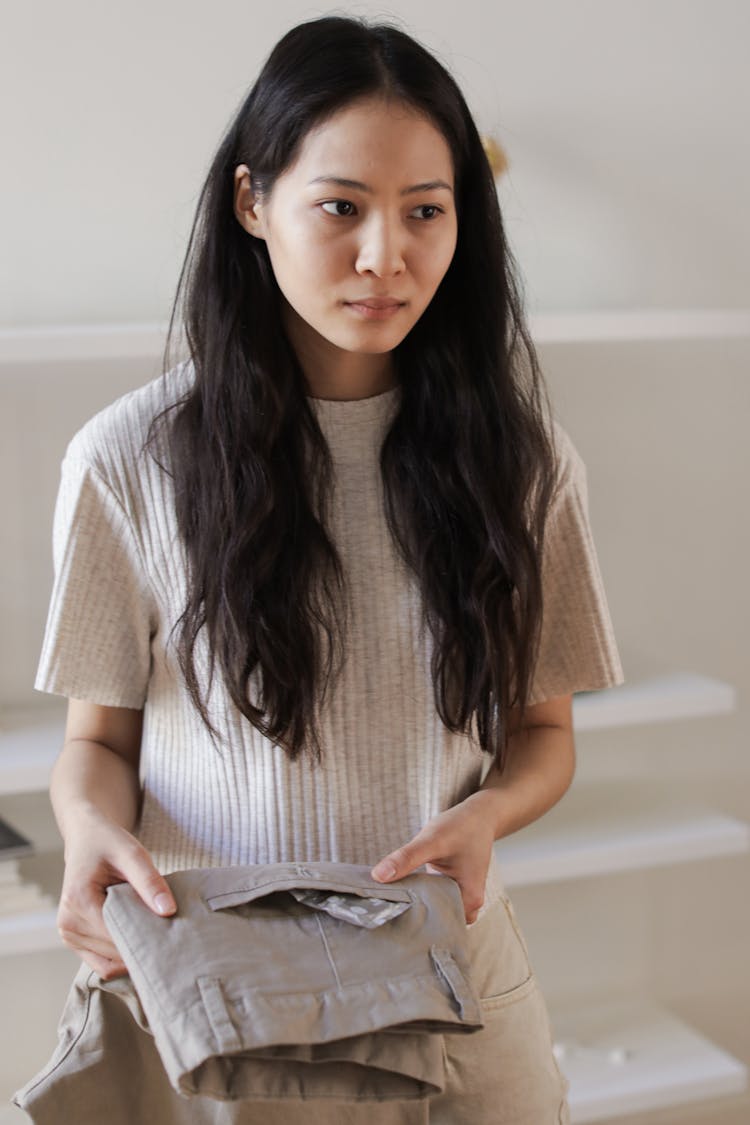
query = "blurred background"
x=625 y=129
x=625 y=125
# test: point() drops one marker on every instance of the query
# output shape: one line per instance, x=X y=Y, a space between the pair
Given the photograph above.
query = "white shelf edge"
x=639 y=324
x=30 y=932
x=146 y=340
x=82 y=341
x=658 y=699
x=549 y=860
x=668 y=1064
x=608 y=826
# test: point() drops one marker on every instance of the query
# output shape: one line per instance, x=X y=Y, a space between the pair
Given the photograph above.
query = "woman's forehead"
x=359 y=140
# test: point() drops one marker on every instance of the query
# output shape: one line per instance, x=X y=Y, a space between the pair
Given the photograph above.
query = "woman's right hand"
x=99 y=853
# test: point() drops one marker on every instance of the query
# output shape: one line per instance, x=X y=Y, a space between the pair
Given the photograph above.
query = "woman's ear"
x=247 y=209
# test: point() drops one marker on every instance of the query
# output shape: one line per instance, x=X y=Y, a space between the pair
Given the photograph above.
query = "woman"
x=353 y=500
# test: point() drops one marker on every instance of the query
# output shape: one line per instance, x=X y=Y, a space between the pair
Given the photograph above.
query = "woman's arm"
x=97 y=768
x=95 y=794
x=458 y=842
x=539 y=771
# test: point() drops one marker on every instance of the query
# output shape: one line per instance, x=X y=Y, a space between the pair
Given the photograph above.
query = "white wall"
x=625 y=125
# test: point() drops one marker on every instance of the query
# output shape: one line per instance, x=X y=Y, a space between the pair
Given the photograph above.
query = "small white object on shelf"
x=605 y=827
x=632 y=1056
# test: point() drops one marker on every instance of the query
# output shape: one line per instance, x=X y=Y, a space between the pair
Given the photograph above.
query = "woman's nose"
x=381 y=249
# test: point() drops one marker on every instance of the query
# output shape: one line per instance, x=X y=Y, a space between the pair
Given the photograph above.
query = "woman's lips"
x=375 y=310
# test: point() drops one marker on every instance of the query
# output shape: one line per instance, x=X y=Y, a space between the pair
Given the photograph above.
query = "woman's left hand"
x=457 y=842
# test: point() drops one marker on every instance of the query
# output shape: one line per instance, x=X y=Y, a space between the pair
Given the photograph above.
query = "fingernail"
x=163 y=903
x=384 y=871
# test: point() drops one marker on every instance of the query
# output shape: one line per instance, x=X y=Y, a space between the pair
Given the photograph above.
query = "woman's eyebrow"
x=340 y=181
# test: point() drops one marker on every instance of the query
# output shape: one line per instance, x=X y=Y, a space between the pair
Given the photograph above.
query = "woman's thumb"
x=151 y=886
x=162 y=900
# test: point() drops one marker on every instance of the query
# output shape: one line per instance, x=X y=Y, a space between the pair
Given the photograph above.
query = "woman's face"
x=365 y=213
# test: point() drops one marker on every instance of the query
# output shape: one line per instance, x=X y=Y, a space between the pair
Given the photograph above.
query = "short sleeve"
x=101 y=617
x=577 y=651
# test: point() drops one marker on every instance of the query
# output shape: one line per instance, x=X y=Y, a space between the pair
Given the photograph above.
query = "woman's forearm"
x=539 y=770
x=88 y=776
x=95 y=795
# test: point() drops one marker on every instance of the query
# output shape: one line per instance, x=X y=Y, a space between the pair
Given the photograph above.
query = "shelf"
x=53 y=343
x=598 y=828
x=49 y=343
x=606 y=827
x=655 y=700
x=31 y=738
x=666 y=1062
x=29 y=933
x=636 y=325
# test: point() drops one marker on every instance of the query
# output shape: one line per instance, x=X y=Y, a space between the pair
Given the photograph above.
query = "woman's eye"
x=337 y=203
x=430 y=207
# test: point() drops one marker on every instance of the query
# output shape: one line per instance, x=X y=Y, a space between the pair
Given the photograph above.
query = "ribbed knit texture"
x=389 y=763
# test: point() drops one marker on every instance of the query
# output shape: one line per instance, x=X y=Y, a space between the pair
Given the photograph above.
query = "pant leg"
x=106 y=1070
x=505 y=1074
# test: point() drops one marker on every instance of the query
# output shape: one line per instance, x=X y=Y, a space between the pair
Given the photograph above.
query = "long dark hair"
x=468 y=463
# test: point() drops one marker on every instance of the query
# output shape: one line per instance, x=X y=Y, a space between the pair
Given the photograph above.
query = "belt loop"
x=217 y=1012
x=447 y=968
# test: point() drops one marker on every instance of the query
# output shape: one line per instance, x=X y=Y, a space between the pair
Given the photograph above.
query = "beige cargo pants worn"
x=109 y=1066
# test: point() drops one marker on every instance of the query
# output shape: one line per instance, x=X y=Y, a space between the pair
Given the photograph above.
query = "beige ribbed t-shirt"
x=389 y=763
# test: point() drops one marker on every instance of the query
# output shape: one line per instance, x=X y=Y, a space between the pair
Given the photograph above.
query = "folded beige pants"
x=109 y=1068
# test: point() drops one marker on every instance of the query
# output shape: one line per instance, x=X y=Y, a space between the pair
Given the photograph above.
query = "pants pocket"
x=505 y=1074
x=499 y=958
